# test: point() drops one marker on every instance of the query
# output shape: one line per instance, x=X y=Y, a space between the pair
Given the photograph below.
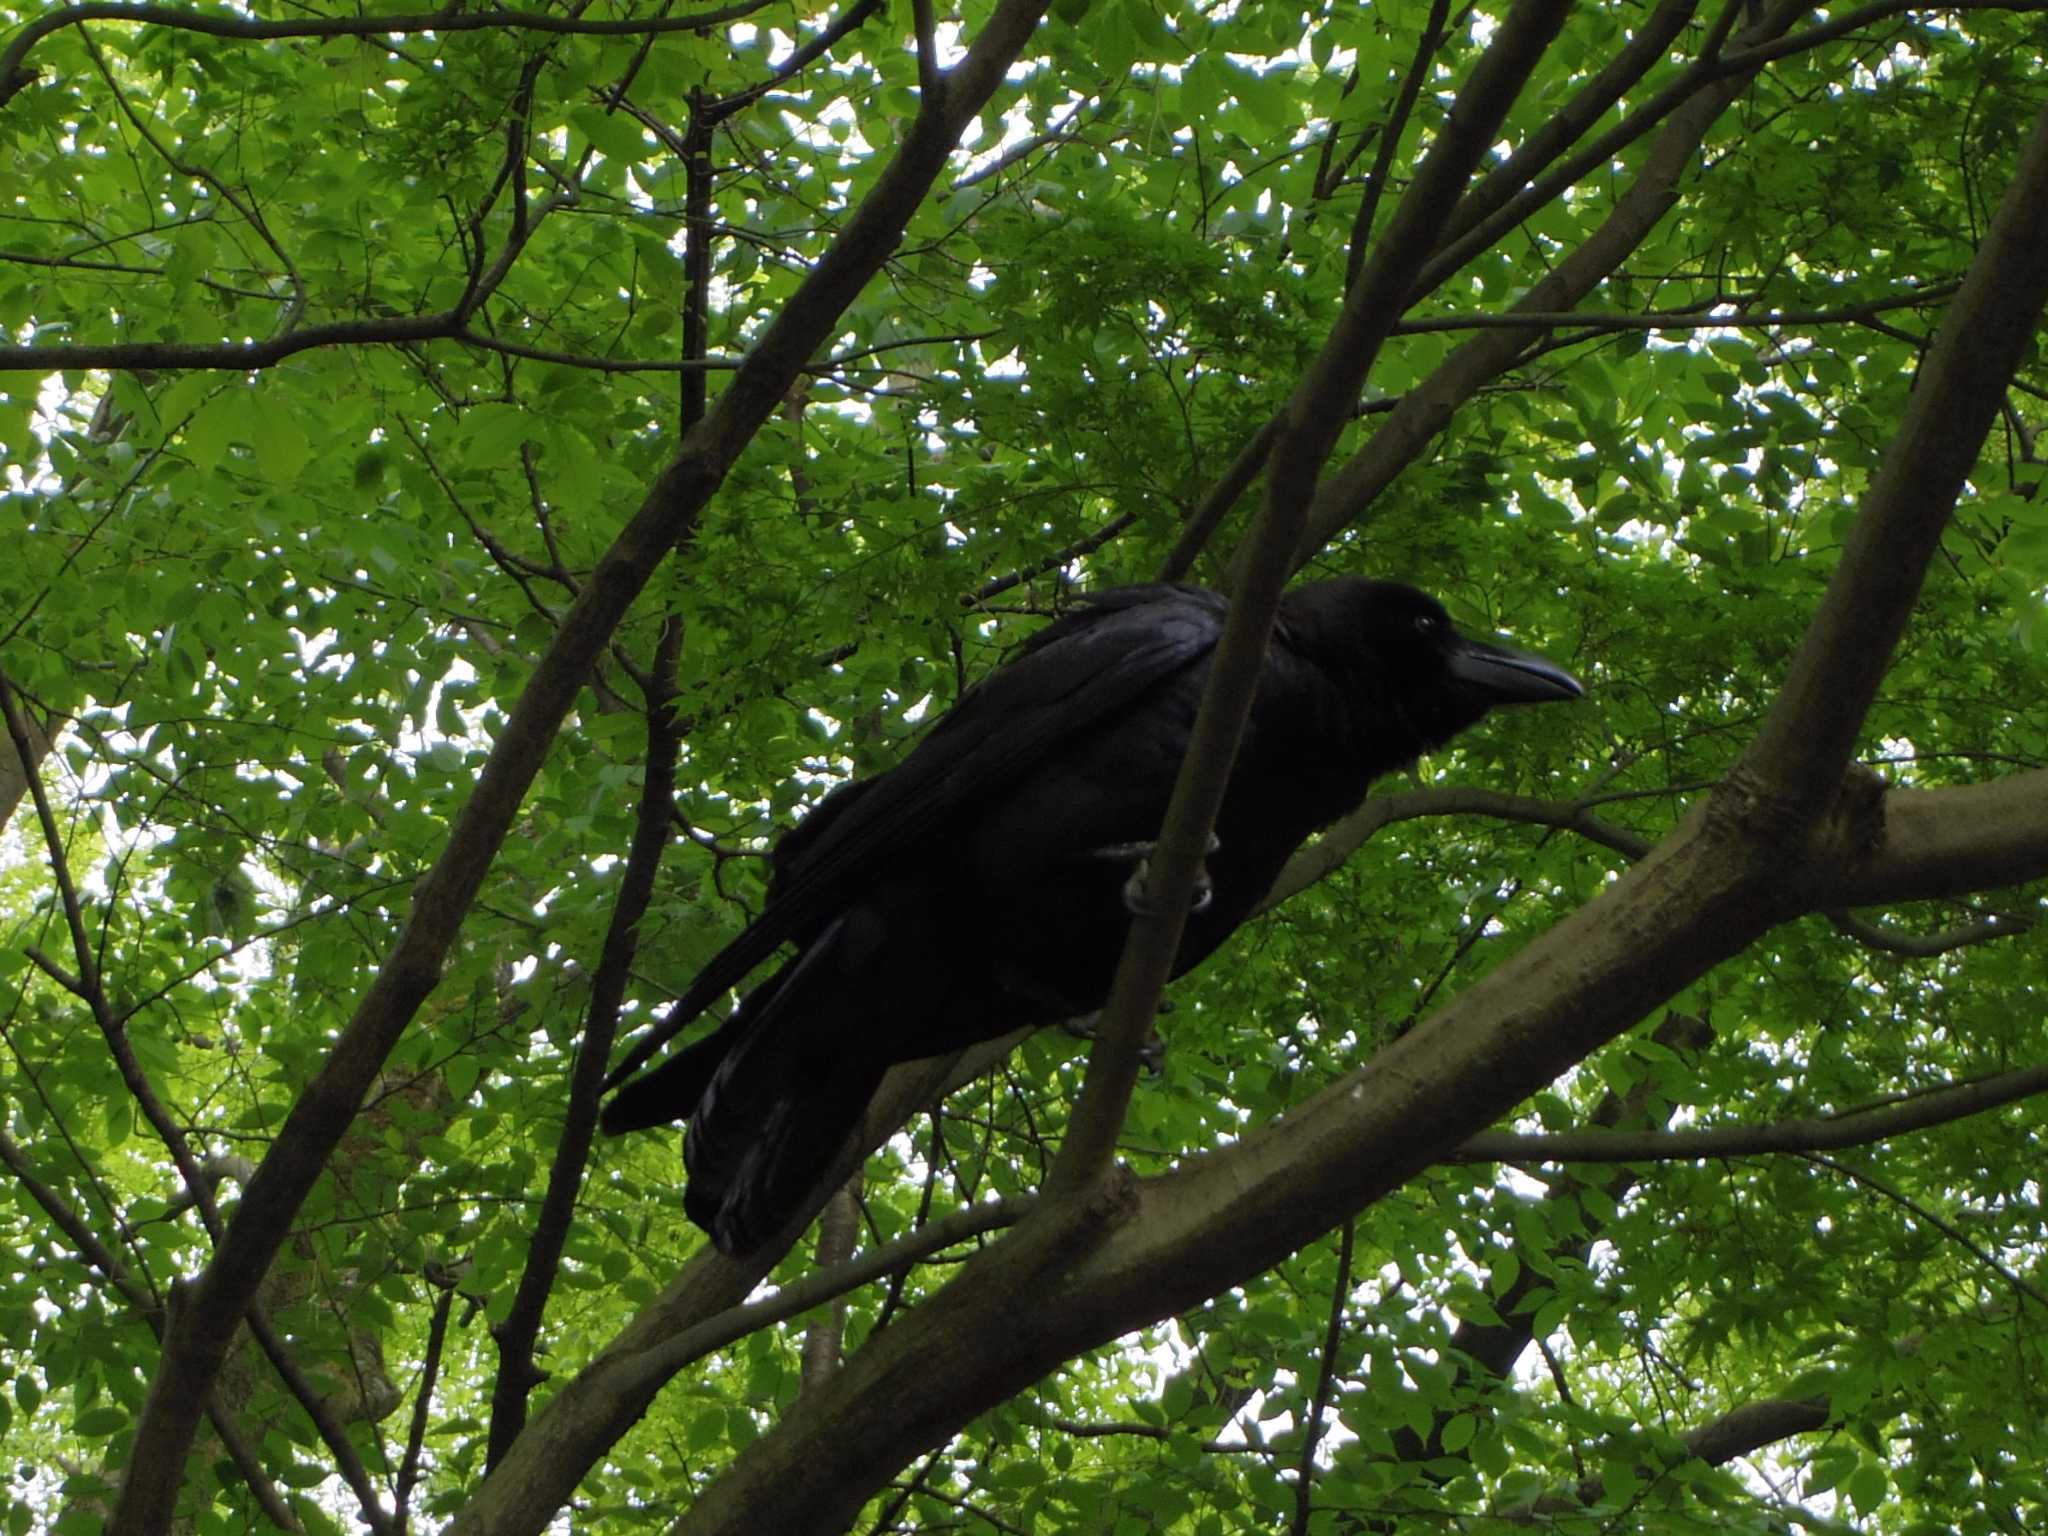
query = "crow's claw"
x=1151 y=1054
x=1140 y=854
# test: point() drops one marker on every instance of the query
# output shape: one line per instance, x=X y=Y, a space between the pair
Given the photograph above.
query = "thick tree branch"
x=1941 y=842
x=1795 y=766
x=1315 y=416
x=199 y=1340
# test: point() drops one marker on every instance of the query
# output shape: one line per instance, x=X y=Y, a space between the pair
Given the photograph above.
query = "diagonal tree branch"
x=1738 y=1432
x=1426 y=409
x=1316 y=415
x=96 y=1254
x=198 y=1341
x=1795 y=766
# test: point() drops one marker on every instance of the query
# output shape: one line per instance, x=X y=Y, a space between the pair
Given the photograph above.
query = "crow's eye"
x=1425 y=624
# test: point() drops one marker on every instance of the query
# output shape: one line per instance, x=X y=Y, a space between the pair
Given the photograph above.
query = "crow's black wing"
x=1100 y=659
x=1092 y=662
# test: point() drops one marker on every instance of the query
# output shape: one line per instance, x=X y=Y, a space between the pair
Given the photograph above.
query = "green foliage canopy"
x=388 y=764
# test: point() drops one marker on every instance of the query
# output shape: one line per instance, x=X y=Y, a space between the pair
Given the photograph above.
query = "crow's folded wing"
x=1098 y=661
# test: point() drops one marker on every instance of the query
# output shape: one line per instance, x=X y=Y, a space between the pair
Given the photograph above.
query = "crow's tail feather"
x=671 y=1091
x=780 y=1103
x=749 y=1174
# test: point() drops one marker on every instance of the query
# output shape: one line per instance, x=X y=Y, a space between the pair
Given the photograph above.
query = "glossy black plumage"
x=964 y=893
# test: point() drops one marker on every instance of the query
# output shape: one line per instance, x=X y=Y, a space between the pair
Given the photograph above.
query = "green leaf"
x=1866 y=1487
x=99 y=1423
x=615 y=134
x=281 y=448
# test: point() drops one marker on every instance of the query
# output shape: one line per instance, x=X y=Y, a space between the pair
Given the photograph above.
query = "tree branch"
x=1315 y=416
x=1329 y=852
x=226 y=24
x=1216 y=503
x=98 y=1256
x=1794 y=768
x=1942 y=842
x=1925 y=946
x=1376 y=182
x=199 y=1339
x=1326 y=1379
x=1426 y=409
x=1855 y=1128
x=1739 y=1432
x=416 y=1433
x=821 y=1286
x=1621 y=74
x=518 y=1334
x=825 y=1340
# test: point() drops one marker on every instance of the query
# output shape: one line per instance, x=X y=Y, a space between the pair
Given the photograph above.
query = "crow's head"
x=1400 y=644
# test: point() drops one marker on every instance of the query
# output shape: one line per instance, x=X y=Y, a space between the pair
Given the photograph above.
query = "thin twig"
x=1326 y=1382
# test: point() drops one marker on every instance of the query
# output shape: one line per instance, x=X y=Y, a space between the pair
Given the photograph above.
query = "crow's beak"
x=1501 y=676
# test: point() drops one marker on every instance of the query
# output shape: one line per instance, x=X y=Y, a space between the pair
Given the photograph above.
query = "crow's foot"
x=1151 y=1053
x=1136 y=902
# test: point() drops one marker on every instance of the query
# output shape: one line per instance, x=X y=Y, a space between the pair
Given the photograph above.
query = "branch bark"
x=518 y=1334
x=1794 y=768
x=1315 y=416
x=198 y=1341
x=1738 y=1432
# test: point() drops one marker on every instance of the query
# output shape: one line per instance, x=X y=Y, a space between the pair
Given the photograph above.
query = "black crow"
x=984 y=883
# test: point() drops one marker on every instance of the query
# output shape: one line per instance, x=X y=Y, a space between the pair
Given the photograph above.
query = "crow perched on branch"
x=984 y=884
